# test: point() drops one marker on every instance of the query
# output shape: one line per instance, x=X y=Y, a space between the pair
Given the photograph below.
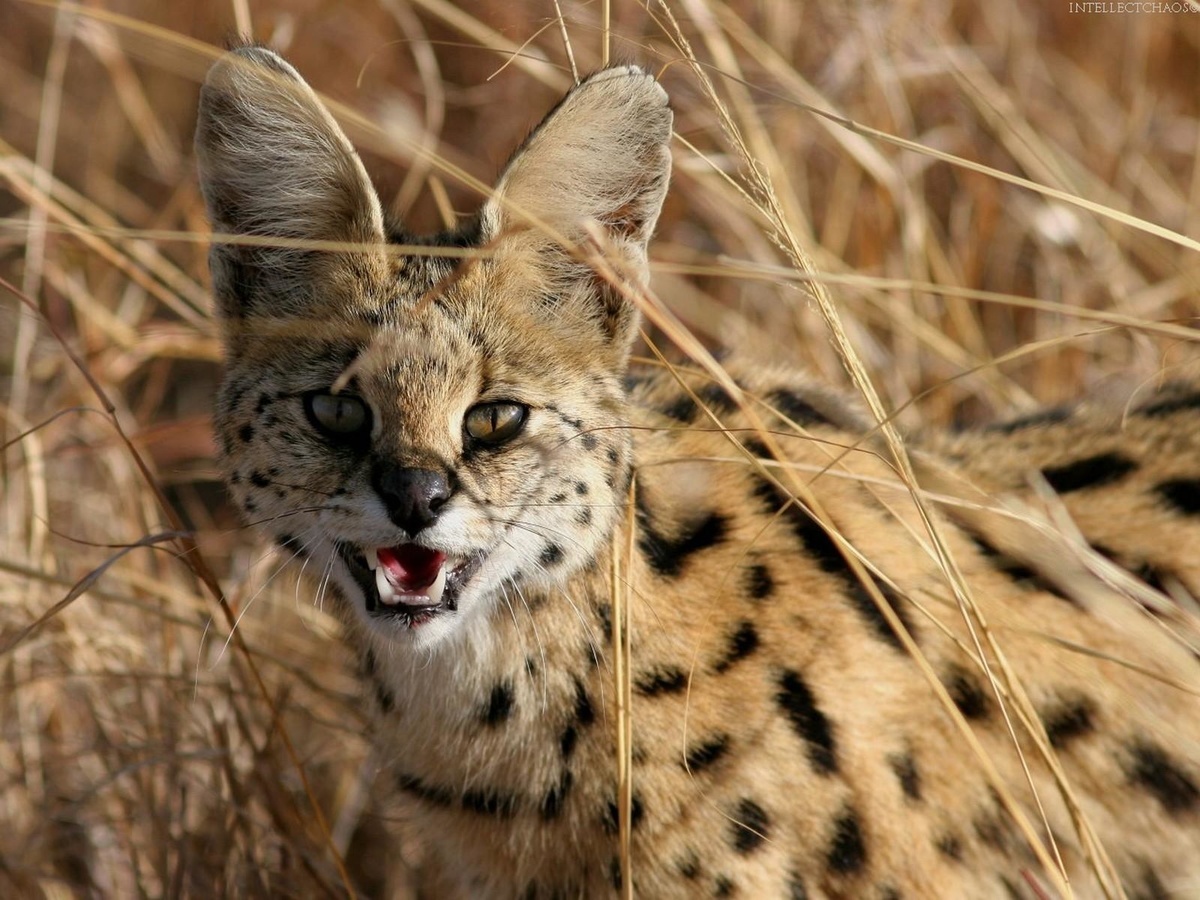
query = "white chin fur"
x=389 y=596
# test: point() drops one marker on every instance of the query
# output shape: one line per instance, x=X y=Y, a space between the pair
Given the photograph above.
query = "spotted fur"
x=784 y=744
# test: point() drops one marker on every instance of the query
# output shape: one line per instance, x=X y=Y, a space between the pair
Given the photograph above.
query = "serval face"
x=439 y=430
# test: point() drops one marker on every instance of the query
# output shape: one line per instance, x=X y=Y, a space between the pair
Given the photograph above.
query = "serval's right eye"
x=342 y=418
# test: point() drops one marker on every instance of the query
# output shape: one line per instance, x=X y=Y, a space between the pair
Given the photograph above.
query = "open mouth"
x=408 y=584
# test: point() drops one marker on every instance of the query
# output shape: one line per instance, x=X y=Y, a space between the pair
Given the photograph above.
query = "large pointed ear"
x=601 y=156
x=275 y=165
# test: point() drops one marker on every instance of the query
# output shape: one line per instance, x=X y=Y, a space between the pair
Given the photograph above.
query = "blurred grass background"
x=144 y=754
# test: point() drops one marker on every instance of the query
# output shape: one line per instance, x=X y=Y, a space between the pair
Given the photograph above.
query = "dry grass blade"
x=81 y=587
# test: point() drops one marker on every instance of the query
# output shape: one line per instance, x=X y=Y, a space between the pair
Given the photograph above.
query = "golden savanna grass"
x=971 y=208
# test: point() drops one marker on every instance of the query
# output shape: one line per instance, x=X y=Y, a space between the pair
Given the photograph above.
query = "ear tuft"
x=274 y=164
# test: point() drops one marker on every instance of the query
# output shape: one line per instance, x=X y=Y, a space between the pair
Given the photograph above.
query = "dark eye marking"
x=491 y=424
x=341 y=418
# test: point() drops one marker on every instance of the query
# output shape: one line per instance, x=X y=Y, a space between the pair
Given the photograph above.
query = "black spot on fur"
x=384 y=696
x=258 y=479
x=1034 y=420
x=604 y=614
x=568 y=740
x=907 y=774
x=1089 y=472
x=1010 y=889
x=584 y=517
x=824 y=551
x=966 y=693
x=615 y=877
x=1152 y=887
x=246 y=433
x=264 y=400
x=558 y=498
x=740 y=644
x=796 y=408
x=434 y=796
x=660 y=680
x=1068 y=720
x=291 y=544
x=667 y=556
x=1183 y=494
x=581 y=488
x=795 y=888
x=847 y=851
x=815 y=539
x=551 y=555
x=870 y=611
x=500 y=704
x=798 y=704
x=995 y=828
x=490 y=803
x=552 y=803
x=236 y=391
x=612 y=814
x=759 y=583
x=1171 y=405
x=950 y=847
x=370 y=672
x=716 y=398
x=589 y=442
x=723 y=886
x=1153 y=577
x=751 y=826
x=1155 y=770
x=689 y=865
x=584 y=713
x=1021 y=575
x=634 y=380
x=890 y=892
x=756 y=448
x=704 y=754
x=682 y=409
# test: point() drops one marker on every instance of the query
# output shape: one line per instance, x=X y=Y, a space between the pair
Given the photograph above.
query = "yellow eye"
x=495 y=423
x=338 y=416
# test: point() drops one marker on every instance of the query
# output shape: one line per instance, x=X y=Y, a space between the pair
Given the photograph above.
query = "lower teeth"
x=428 y=596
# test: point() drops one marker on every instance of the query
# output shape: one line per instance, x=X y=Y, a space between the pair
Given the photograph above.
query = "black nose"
x=412 y=496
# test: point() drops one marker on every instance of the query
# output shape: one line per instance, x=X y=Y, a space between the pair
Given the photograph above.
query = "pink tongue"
x=409 y=567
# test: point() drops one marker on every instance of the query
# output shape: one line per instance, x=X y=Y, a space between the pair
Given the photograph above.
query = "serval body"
x=459 y=449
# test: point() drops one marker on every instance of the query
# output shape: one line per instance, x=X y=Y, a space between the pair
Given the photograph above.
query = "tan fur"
x=785 y=743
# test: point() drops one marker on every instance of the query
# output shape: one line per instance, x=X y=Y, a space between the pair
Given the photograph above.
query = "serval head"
x=432 y=424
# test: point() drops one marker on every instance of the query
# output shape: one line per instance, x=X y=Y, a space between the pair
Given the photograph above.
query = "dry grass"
x=142 y=752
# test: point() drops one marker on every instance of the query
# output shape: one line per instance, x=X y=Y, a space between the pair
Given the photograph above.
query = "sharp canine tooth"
x=386 y=593
x=372 y=560
x=439 y=584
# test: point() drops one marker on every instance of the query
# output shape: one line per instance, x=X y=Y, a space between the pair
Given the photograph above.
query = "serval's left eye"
x=495 y=423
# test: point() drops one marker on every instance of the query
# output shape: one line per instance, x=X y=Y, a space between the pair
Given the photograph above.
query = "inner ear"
x=602 y=154
x=274 y=164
